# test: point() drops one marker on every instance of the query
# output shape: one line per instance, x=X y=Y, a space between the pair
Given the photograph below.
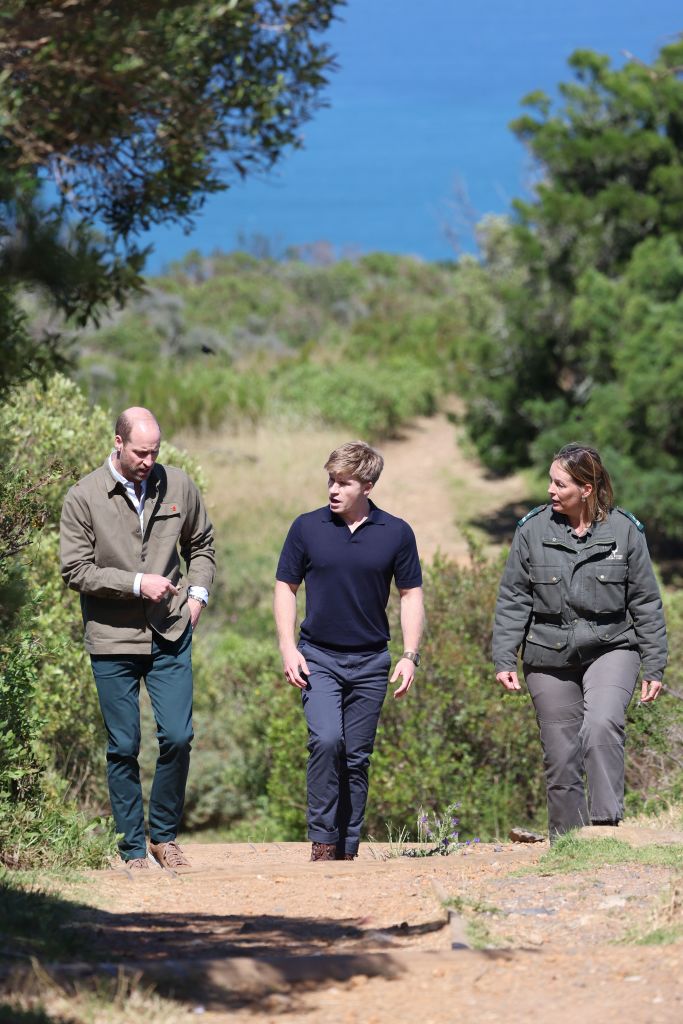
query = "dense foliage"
x=577 y=333
x=132 y=112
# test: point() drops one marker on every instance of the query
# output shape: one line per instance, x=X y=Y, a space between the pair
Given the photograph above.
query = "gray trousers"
x=581 y=714
x=342 y=704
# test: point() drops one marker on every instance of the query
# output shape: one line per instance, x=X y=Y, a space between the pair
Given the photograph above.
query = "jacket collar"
x=600 y=534
x=153 y=480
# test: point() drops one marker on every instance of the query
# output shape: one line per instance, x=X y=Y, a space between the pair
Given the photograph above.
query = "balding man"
x=122 y=529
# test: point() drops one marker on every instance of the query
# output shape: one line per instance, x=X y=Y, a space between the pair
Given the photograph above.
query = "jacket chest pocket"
x=546 y=589
x=610 y=588
x=167 y=520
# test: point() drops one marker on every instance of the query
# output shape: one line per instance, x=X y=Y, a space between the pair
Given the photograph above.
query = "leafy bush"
x=370 y=400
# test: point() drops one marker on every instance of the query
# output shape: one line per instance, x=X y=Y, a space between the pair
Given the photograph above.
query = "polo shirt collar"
x=375 y=516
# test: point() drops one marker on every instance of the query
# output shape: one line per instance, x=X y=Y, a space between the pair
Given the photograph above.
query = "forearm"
x=284 y=608
x=412 y=618
x=88 y=578
x=645 y=608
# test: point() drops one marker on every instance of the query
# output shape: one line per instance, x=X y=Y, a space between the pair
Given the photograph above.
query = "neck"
x=578 y=522
x=356 y=515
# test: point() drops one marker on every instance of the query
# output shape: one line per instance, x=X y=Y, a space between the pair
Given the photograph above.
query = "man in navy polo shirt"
x=348 y=552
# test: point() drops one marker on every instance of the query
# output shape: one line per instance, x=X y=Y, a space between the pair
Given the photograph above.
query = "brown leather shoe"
x=137 y=864
x=323 y=851
x=169 y=855
x=343 y=855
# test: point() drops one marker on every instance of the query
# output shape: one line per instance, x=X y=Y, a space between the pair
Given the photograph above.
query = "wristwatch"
x=412 y=656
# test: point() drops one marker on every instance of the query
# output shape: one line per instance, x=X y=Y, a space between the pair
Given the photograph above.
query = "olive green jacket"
x=565 y=602
x=102 y=550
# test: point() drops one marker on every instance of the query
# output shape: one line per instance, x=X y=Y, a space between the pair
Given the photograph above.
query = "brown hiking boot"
x=323 y=851
x=137 y=864
x=169 y=855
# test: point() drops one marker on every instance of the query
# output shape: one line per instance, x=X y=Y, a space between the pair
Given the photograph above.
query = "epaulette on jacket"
x=629 y=515
x=531 y=514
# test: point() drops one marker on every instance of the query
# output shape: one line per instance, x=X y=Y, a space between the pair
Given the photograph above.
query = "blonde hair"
x=584 y=466
x=357 y=459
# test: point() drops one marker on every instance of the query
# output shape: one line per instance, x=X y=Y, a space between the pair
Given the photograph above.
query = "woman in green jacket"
x=580 y=600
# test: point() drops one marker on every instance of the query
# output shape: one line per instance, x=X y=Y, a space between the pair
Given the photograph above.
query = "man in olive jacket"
x=122 y=527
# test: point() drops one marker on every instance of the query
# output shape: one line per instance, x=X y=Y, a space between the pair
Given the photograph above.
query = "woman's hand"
x=509 y=680
x=650 y=689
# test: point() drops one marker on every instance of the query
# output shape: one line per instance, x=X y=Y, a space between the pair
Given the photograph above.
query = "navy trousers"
x=167 y=672
x=342 y=704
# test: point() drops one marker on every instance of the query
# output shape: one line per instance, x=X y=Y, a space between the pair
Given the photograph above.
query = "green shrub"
x=369 y=399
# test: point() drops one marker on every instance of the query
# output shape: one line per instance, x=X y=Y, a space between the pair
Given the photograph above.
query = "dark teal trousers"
x=167 y=672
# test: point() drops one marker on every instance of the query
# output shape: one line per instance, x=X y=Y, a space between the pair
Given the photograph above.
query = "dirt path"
x=256 y=933
x=430 y=481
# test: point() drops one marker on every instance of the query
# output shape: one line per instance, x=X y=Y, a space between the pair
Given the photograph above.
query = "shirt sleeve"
x=291 y=567
x=407 y=570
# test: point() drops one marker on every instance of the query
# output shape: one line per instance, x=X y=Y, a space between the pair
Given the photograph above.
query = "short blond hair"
x=357 y=459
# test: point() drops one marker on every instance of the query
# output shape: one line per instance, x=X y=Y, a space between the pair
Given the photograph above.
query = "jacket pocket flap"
x=544 y=574
x=612 y=573
x=546 y=634
x=612 y=630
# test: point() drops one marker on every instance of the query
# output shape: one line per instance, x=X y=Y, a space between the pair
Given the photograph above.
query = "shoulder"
x=629 y=515
x=175 y=482
x=533 y=514
x=86 y=486
x=395 y=523
x=172 y=475
x=308 y=521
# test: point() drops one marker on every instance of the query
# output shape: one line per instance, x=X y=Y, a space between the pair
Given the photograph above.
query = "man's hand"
x=156 y=588
x=406 y=669
x=294 y=664
x=195 y=607
x=508 y=680
x=650 y=690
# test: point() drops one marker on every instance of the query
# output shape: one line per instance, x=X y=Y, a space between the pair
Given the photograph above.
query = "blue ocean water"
x=414 y=146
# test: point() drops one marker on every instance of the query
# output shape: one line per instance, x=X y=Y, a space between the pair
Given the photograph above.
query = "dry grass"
x=669 y=819
x=117 y=1000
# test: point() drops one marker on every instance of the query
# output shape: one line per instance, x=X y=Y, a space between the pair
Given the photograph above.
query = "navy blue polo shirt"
x=348 y=575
